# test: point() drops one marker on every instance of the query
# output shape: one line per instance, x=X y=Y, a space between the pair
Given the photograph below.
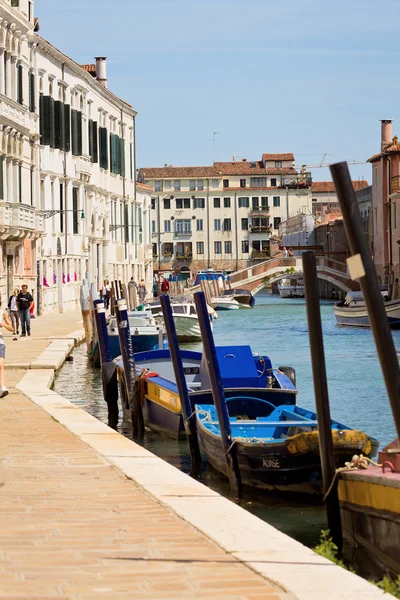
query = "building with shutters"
x=69 y=203
x=224 y=216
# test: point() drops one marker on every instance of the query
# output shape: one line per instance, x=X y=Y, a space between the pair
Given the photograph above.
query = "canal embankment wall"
x=289 y=568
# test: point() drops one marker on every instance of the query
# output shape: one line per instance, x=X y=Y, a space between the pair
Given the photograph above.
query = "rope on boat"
x=356 y=463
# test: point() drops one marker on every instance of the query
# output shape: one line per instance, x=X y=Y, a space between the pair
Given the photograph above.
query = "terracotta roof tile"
x=149 y=188
x=90 y=69
x=392 y=149
x=285 y=156
x=328 y=186
x=219 y=169
x=173 y=172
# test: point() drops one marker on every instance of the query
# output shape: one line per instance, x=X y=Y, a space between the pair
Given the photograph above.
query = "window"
x=179 y=203
x=243 y=203
x=227 y=202
x=225 y=183
x=227 y=226
x=15 y=3
x=218 y=247
x=103 y=143
x=186 y=203
x=245 y=246
x=214 y=183
x=245 y=224
x=158 y=186
x=264 y=202
x=200 y=247
x=199 y=225
x=228 y=247
x=242 y=183
x=76 y=133
x=183 y=226
x=278 y=164
x=200 y=185
x=258 y=182
x=182 y=203
x=153 y=227
x=217 y=224
x=167 y=203
x=93 y=146
x=75 y=216
x=155 y=250
x=199 y=203
x=273 y=182
x=277 y=200
x=254 y=203
x=192 y=185
x=167 y=185
x=277 y=221
x=217 y=202
x=177 y=185
x=61 y=207
x=153 y=203
x=168 y=248
x=167 y=226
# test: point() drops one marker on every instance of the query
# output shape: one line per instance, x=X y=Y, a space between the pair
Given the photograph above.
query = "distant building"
x=224 y=215
x=296 y=231
x=324 y=198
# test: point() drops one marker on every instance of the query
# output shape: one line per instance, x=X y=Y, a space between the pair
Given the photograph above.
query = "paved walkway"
x=73 y=526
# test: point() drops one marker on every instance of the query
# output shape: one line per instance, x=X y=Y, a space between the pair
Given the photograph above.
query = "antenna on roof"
x=213 y=141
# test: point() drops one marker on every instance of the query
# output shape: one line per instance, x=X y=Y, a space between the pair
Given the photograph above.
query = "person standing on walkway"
x=25 y=303
x=142 y=291
x=165 y=286
x=4 y=324
x=155 y=289
x=106 y=293
x=13 y=306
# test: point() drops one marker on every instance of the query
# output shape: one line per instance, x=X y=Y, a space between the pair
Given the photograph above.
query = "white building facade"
x=222 y=216
x=69 y=174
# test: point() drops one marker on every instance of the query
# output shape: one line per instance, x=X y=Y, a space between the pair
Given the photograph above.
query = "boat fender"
x=290 y=372
x=141 y=381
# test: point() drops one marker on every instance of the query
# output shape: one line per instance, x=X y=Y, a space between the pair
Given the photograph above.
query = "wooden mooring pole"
x=321 y=395
x=108 y=369
x=362 y=269
x=218 y=395
x=128 y=360
x=189 y=417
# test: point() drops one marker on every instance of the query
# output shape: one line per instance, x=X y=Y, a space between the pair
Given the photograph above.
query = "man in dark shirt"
x=25 y=302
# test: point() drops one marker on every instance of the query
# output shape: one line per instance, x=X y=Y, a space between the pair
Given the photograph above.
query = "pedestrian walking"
x=142 y=291
x=165 y=286
x=25 y=302
x=285 y=252
x=106 y=293
x=4 y=324
x=155 y=289
x=13 y=306
x=132 y=289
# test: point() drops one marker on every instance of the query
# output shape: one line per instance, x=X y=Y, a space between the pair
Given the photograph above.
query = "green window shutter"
x=101 y=144
x=115 y=154
x=104 y=148
x=41 y=124
x=46 y=120
x=52 y=124
x=58 y=114
x=95 y=151
x=1 y=177
x=79 y=132
x=74 y=132
x=111 y=153
x=122 y=157
x=90 y=138
x=67 y=128
x=126 y=223
x=20 y=90
x=32 y=106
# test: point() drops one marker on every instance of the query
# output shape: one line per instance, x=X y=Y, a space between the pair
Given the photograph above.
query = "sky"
x=312 y=77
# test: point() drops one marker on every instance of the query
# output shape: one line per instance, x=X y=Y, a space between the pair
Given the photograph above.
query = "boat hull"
x=140 y=343
x=291 y=291
x=358 y=316
x=289 y=465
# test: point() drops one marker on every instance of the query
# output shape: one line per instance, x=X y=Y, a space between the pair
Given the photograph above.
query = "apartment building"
x=324 y=198
x=69 y=202
x=222 y=216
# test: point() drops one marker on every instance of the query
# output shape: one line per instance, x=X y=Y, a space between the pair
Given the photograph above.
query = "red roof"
x=220 y=169
x=286 y=156
x=394 y=148
x=144 y=186
x=328 y=186
x=90 y=69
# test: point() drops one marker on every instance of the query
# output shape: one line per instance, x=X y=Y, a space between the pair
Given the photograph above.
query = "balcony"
x=261 y=211
x=260 y=255
x=180 y=234
x=13 y=111
x=188 y=256
x=83 y=168
x=260 y=229
x=299 y=181
x=19 y=221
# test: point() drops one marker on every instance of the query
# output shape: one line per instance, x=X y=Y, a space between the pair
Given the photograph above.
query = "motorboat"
x=146 y=333
x=244 y=297
x=352 y=311
x=224 y=303
x=291 y=287
x=185 y=317
x=277 y=447
x=242 y=372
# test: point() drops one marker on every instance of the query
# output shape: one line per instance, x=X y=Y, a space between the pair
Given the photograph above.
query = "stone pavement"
x=73 y=526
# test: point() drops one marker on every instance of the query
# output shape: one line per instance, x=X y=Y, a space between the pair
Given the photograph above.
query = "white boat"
x=185 y=317
x=224 y=303
x=353 y=312
x=145 y=333
x=291 y=287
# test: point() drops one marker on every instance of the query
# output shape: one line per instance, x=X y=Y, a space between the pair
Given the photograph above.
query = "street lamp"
x=46 y=214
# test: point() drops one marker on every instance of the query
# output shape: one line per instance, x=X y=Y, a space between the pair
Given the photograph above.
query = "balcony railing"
x=297 y=181
x=395 y=185
x=183 y=233
x=260 y=255
x=260 y=211
x=188 y=256
x=167 y=255
x=260 y=229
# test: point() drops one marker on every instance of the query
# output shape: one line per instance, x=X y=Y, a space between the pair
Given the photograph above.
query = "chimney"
x=101 y=70
x=386 y=136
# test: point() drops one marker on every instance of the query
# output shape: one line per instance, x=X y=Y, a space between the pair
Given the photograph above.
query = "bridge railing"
x=262 y=267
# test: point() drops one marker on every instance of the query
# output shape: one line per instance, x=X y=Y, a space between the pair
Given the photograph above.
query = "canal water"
x=277 y=328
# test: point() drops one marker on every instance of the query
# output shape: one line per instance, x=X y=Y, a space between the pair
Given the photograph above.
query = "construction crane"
x=324 y=165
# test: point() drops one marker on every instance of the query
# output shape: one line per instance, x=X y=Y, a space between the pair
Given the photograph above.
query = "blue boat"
x=145 y=332
x=242 y=372
x=277 y=447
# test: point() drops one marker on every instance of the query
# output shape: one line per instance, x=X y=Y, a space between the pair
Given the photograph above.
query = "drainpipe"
x=159 y=235
x=135 y=228
x=389 y=211
x=208 y=225
x=236 y=235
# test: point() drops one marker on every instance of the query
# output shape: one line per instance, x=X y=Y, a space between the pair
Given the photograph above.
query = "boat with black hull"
x=244 y=297
x=352 y=311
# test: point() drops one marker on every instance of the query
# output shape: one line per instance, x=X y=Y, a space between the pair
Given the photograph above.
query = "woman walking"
x=106 y=293
x=142 y=291
x=4 y=323
x=13 y=306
